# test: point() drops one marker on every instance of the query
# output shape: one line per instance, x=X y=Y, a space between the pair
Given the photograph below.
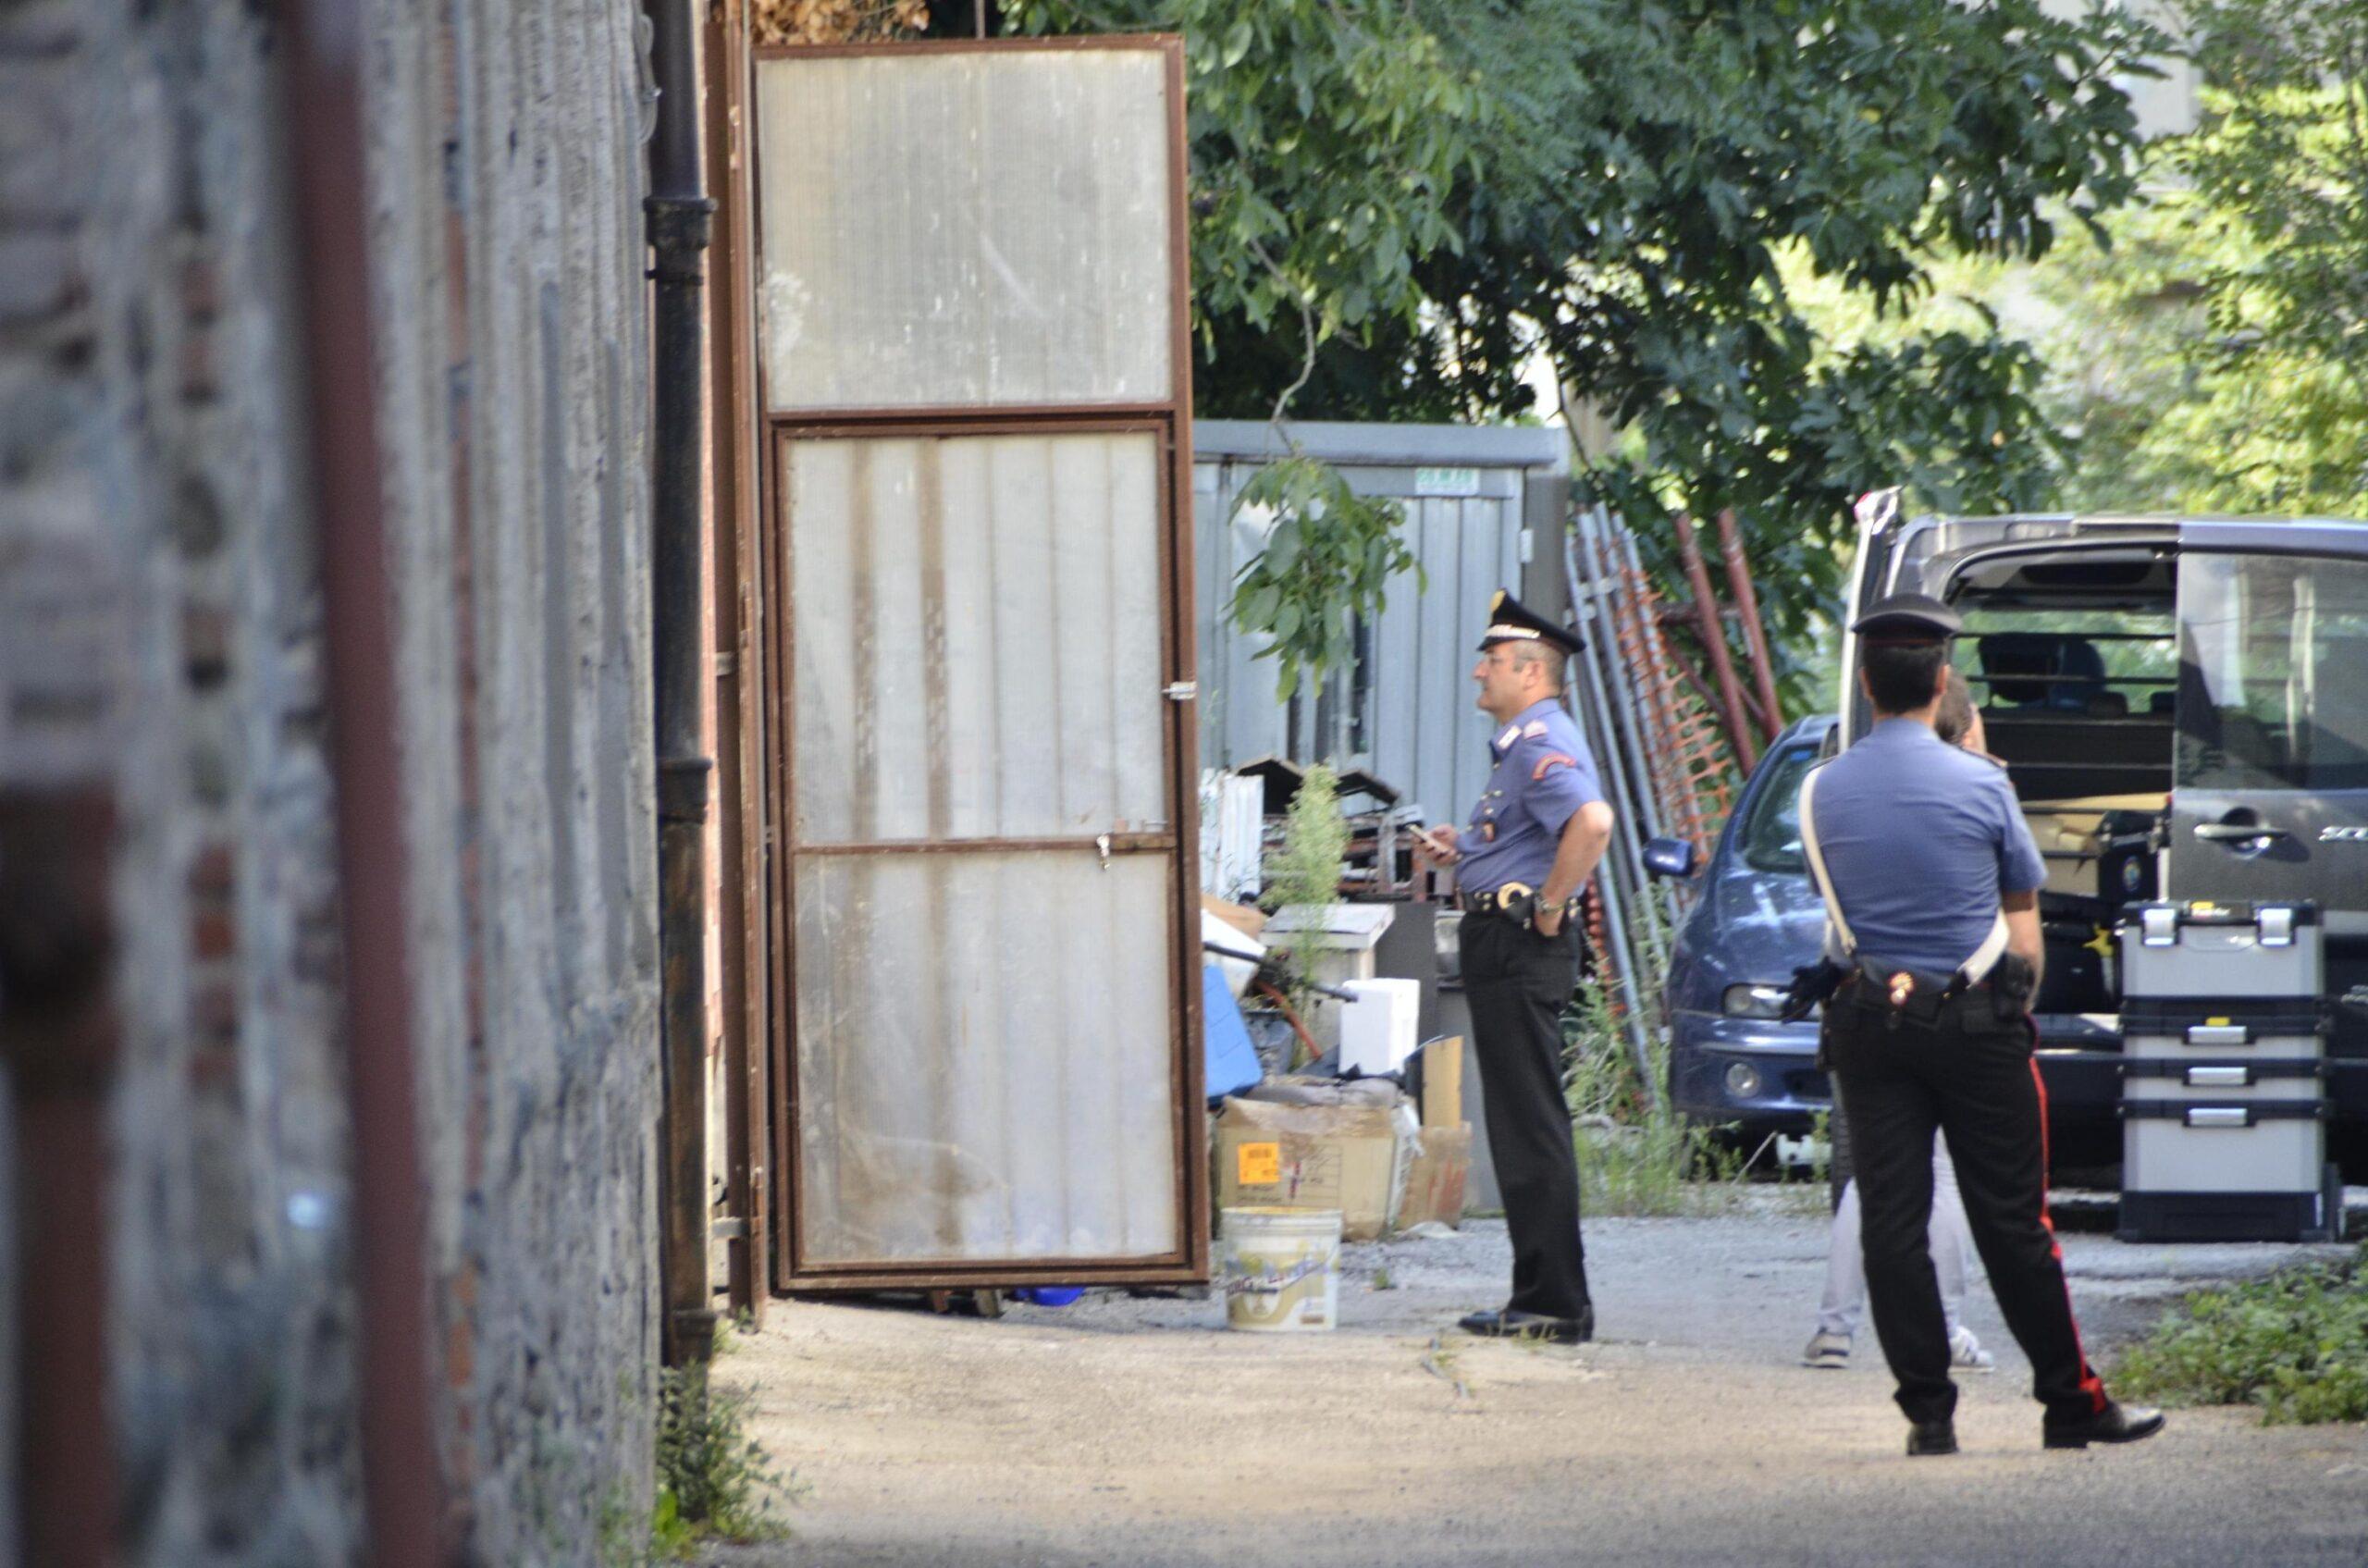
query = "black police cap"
x=1908 y=620
x=1511 y=621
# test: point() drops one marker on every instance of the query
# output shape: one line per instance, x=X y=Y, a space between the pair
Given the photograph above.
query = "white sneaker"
x=1831 y=1352
x=1965 y=1353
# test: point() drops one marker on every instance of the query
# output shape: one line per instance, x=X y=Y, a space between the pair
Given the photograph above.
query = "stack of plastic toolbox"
x=2224 y=1046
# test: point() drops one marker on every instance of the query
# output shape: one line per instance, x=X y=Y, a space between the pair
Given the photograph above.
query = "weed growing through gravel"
x=2295 y=1344
x=1445 y=1361
x=1637 y=1155
x=714 y=1481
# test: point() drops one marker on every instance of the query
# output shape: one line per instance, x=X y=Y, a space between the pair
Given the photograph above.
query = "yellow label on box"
x=1258 y=1165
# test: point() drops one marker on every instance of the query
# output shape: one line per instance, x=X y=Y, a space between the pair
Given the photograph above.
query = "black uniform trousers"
x=1971 y=1073
x=1517 y=983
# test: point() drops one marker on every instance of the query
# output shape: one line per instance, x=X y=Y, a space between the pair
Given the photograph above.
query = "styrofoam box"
x=1378 y=1029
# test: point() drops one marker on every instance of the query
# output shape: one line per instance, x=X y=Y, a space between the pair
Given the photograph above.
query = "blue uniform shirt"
x=1544 y=774
x=1920 y=838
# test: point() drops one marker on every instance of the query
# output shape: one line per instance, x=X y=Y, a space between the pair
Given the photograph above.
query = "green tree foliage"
x=1399 y=203
x=1327 y=559
x=2223 y=351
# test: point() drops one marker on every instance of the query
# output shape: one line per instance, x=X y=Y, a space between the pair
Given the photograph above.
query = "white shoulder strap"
x=1985 y=958
x=1837 y=926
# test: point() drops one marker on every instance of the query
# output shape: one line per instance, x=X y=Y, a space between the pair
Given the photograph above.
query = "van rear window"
x=2273 y=673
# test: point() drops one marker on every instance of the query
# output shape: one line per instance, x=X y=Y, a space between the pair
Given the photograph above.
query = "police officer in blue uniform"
x=1930 y=880
x=1520 y=861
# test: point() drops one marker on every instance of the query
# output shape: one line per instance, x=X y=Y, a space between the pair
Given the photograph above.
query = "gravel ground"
x=1138 y=1432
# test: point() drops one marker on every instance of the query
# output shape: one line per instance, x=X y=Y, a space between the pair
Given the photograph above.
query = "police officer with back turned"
x=1933 y=953
x=1528 y=848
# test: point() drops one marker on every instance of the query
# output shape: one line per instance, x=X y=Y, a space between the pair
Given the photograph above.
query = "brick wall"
x=160 y=635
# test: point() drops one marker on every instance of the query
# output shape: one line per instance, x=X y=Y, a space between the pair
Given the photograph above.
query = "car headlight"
x=1752 y=1001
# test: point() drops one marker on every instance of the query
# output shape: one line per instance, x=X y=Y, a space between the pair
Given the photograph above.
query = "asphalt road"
x=1141 y=1434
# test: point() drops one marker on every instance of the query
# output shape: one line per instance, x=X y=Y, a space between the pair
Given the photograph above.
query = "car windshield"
x=1770 y=836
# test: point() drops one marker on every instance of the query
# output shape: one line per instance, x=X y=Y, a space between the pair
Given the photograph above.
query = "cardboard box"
x=1352 y=1158
x=1443 y=1082
x=1436 y=1177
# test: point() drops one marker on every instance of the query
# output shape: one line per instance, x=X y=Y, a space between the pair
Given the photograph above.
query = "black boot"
x=1932 y=1437
x=2114 y=1424
x=1510 y=1324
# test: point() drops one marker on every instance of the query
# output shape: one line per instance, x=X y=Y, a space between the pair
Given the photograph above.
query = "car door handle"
x=2236 y=832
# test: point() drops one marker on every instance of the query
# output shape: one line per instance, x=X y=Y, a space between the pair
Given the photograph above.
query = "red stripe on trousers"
x=2090 y=1383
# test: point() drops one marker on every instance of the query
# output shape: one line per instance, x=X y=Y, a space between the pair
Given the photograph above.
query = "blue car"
x=1756 y=919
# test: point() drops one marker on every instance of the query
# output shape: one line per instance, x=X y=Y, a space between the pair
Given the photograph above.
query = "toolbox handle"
x=2219 y=1035
x=2194 y=1114
x=2228 y=1073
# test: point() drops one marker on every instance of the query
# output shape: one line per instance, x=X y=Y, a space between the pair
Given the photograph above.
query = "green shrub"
x=1315 y=840
x=1637 y=1155
x=714 y=1481
x=2295 y=1344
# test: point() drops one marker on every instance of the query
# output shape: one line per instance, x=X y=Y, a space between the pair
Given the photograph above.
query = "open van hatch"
x=2183 y=707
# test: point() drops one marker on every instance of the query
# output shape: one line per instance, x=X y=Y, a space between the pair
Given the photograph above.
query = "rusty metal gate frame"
x=739 y=907
x=1169 y=422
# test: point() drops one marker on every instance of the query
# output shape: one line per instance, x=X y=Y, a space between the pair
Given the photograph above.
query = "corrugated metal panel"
x=983 y=1063
x=1025 y=259
x=1422 y=732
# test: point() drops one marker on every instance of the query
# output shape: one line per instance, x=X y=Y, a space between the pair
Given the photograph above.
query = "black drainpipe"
x=678 y=212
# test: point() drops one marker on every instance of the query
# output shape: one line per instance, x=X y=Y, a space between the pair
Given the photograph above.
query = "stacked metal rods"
x=1671 y=751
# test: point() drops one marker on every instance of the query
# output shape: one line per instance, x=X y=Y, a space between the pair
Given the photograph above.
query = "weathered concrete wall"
x=160 y=635
x=506 y=141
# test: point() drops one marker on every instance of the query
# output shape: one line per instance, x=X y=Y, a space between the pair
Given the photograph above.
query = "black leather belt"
x=1516 y=901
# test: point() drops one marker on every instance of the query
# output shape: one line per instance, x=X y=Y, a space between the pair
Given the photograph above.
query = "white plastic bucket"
x=1281 y=1268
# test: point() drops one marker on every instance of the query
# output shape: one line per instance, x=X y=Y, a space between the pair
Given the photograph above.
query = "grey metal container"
x=2223 y=1144
x=2196 y=1027
x=2230 y=951
x=2228 y=1168
x=2224 y=1036
x=2224 y=1080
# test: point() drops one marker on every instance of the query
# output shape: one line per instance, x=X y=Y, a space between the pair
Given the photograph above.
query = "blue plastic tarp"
x=1231 y=1063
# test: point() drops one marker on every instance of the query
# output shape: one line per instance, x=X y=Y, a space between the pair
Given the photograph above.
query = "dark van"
x=2182 y=705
